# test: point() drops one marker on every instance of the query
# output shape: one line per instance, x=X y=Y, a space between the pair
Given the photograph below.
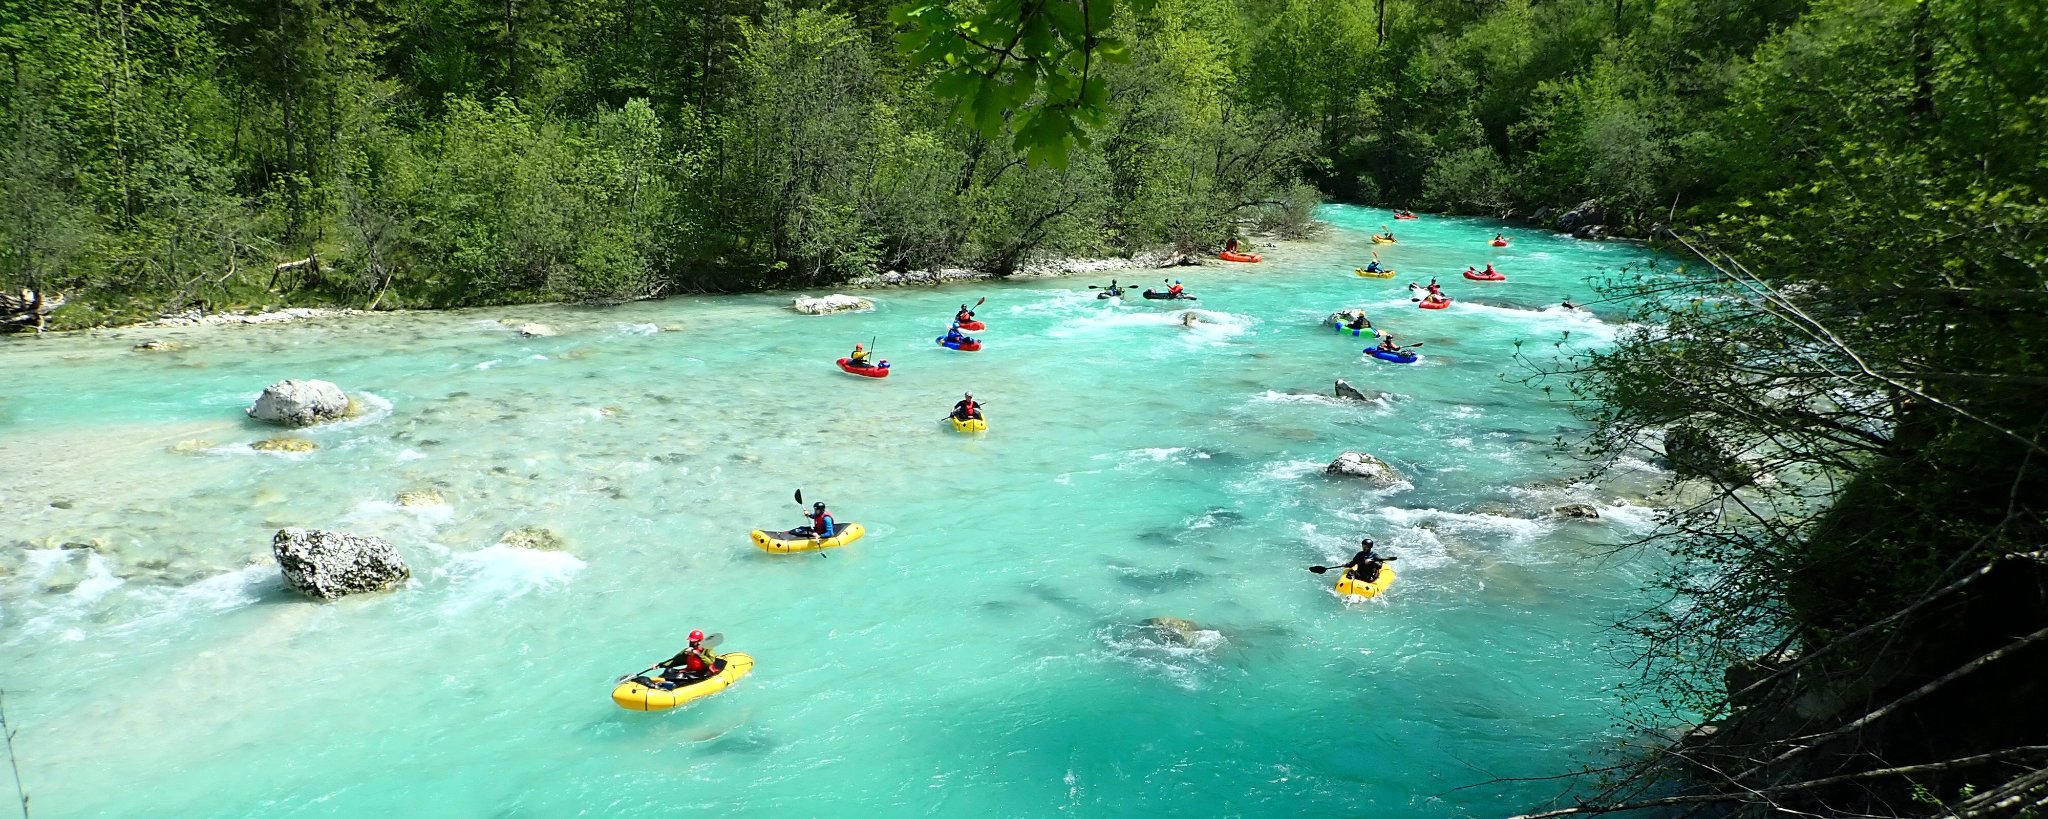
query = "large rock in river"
x=298 y=403
x=834 y=303
x=333 y=564
x=1361 y=465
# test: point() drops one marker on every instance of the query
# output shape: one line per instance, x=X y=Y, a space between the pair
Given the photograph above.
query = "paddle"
x=800 y=505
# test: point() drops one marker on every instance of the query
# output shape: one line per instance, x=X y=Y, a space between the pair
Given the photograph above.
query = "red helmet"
x=697 y=636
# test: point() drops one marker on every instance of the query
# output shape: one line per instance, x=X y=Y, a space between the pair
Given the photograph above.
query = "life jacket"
x=964 y=316
x=860 y=355
x=968 y=409
x=1175 y=290
x=821 y=524
x=693 y=659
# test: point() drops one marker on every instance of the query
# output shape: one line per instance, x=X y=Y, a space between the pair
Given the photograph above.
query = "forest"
x=1852 y=355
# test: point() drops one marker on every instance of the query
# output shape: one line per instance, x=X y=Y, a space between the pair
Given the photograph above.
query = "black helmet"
x=1365 y=541
x=818 y=505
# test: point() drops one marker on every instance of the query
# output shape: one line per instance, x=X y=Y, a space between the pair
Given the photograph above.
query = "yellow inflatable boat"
x=787 y=542
x=1349 y=585
x=1385 y=273
x=1382 y=240
x=633 y=696
x=969 y=425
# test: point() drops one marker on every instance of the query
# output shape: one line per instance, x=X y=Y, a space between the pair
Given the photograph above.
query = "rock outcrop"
x=536 y=330
x=1576 y=511
x=1174 y=630
x=835 y=303
x=1588 y=212
x=1345 y=390
x=334 y=564
x=300 y=403
x=1361 y=465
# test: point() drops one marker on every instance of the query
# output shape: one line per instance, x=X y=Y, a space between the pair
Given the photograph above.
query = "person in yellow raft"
x=1367 y=563
x=693 y=664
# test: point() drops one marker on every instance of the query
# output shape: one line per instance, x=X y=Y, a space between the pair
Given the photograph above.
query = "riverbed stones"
x=537 y=538
x=835 y=303
x=1576 y=511
x=300 y=403
x=1174 y=630
x=534 y=329
x=284 y=443
x=420 y=498
x=157 y=345
x=328 y=565
x=1361 y=465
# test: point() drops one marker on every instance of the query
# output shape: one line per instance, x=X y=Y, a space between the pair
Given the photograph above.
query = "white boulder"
x=835 y=303
x=299 y=403
x=1361 y=465
x=333 y=564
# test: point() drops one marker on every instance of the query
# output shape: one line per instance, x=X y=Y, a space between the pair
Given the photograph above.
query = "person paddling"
x=822 y=525
x=964 y=316
x=1490 y=272
x=1113 y=289
x=1358 y=322
x=967 y=408
x=859 y=358
x=689 y=665
x=1387 y=236
x=1364 y=566
x=1230 y=246
x=1387 y=345
x=954 y=336
x=1174 y=290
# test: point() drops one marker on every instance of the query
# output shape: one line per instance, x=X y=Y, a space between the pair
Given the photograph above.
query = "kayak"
x=1382 y=240
x=1385 y=273
x=1500 y=243
x=1486 y=277
x=1109 y=294
x=969 y=425
x=1433 y=304
x=877 y=371
x=633 y=695
x=787 y=542
x=973 y=325
x=1409 y=216
x=1154 y=294
x=1403 y=357
x=1342 y=328
x=1348 y=585
x=968 y=346
x=1233 y=256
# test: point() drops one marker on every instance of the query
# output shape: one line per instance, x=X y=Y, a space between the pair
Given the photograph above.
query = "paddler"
x=822 y=525
x=1364 y=566
x=967 y=408
x=689 y=665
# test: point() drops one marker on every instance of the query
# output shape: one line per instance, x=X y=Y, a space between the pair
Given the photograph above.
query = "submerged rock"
x=835 y=303
x=333 y=564
x=284 y=444
x=1345 y=390
x=536 y=330
x=157 y=345
x=537 y=538
x=1361 y=465
x=421 y=497
x=299 y=403
x=1576 y=511
x=1174 y=630
x=191 y=445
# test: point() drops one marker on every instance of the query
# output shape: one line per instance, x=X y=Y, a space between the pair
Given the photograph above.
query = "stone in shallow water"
x=536 y=330
x=1578 y=511
x=284 y=444
x=1362 y=465
x=157 y=344
x=299 y=403
x=333 y=564
x=834 y=303
x=421 y=497
x=537 y=538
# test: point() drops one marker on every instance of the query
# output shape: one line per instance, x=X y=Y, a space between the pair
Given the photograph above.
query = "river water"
x=980 y=653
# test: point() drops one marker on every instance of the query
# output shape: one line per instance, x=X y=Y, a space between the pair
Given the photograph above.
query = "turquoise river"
x=980 y=653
